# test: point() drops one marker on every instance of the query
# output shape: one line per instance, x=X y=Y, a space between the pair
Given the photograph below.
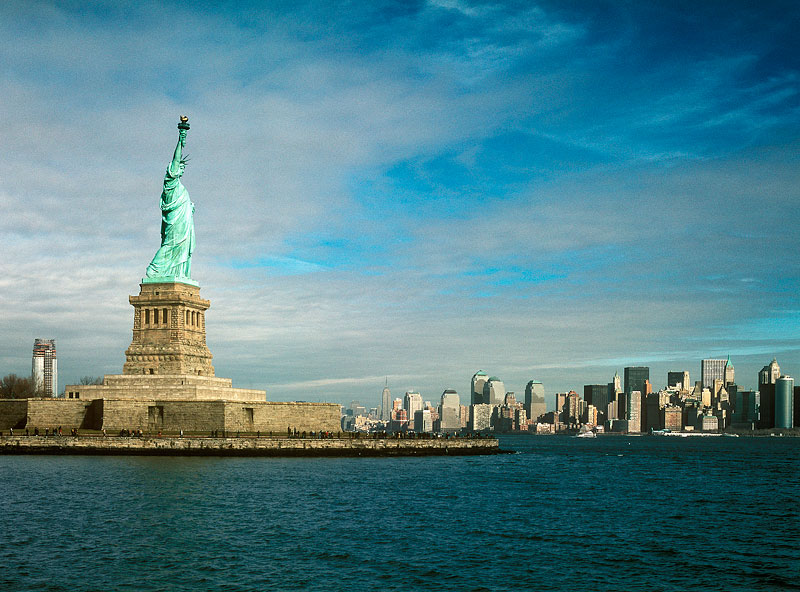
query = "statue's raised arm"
x=173 y=260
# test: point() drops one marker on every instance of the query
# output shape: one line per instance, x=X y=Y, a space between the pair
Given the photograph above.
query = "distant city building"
x=635 y=412
x=597 y=395
x=412 y=402
x=784 y=399
x=450 y=411
x=679 y=380
x=357 y=409
x=423 y=422
x=480 y=417
x=494 y=391
x=709 y=423
x=572 y=408
x=651 y=411
x=617 y=383
x=673 y=418
x=770 y=373
x=730 y=373
x=520 y=419
x=590 y=415
x=767 y=378
x=476 y=387
x=45 y=367
x=534 y=399
x=614 y=390
x=386 y=404
x=635 y=378
x=745 y=410
x=711 y=370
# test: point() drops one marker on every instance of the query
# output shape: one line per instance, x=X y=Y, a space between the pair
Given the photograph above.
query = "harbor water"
x=563 y=513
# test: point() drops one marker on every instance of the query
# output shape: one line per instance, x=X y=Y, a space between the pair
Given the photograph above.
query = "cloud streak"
x=415 y=191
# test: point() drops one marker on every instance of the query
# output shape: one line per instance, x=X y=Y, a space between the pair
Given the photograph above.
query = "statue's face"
x=182 y=167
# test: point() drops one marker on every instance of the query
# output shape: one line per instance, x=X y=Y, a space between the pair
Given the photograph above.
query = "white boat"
x=587 y=434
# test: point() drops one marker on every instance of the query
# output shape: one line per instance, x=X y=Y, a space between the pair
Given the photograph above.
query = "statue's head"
x=182 y=164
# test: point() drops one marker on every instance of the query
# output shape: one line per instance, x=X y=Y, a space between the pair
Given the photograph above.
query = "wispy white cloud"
x=564 y=191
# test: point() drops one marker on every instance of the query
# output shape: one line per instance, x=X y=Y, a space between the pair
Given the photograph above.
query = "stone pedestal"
x=169 y=331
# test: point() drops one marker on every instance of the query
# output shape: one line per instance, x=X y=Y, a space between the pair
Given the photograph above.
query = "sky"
x=409 y=192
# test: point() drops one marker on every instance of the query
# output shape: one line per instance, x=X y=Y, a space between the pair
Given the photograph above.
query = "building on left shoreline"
x=44 y=367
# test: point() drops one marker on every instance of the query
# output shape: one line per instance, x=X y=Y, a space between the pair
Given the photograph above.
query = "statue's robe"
x=174 y=257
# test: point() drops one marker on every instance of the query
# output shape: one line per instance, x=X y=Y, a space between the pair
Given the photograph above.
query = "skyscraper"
x=480 y=417
x=450 y=411
x=412 y=402
x=784 y=398
x=597 y=395
x=494 y=391
x=730 y=373
x=767 y=379
x=572 y=409
x=45 y=367
x=386 y=405
x=476 y=387
x=769 y=373
x=635 y=412
x=711 y=370
x=534 y=399
x=679 y=380
x=423 y=422
x=635 y=377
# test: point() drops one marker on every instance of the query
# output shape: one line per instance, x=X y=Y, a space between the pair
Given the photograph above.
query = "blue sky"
x=414 y=190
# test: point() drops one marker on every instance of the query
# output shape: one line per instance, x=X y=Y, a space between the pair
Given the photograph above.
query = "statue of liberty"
x=173 y=260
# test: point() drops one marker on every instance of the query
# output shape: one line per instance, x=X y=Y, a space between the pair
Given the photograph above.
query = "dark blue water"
x=611 y=513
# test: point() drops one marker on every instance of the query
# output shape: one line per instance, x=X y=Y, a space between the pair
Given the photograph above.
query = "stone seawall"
x=245 y=446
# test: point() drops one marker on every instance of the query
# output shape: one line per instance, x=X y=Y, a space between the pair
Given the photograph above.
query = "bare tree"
x=16 y=387
x=91 y=380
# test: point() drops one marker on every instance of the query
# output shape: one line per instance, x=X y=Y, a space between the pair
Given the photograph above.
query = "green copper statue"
x=173 y=260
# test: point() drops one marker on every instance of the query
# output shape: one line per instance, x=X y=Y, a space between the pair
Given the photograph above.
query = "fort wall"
x=13 y=413
x=49 y=413
x=154 y=415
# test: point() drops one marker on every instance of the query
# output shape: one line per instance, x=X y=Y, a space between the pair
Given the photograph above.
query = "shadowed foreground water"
x=609 y=513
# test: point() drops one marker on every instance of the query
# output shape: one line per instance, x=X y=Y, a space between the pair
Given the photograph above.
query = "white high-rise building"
x=412 y=403
x=45 y=367
x=711 y=370
x=635 y=412
x=770 y=373
x=480 y=417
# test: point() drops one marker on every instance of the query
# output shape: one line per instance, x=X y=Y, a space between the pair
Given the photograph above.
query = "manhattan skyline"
x=415 y=192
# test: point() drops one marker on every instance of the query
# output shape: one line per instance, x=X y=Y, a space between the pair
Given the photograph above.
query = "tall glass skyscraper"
x=784 y=398
x=635 y=377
